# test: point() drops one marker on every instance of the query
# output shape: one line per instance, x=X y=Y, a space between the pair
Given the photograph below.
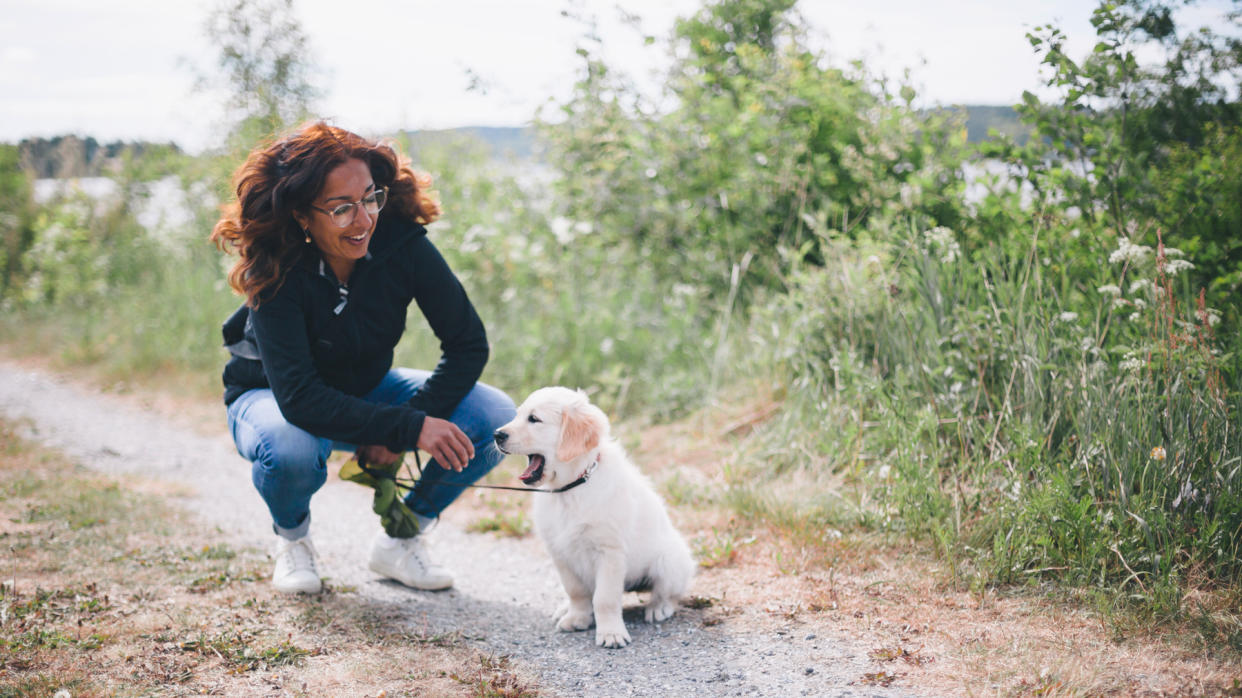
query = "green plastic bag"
x=389 y=502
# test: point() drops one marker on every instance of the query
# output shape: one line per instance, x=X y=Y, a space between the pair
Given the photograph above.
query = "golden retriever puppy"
x=599 y=517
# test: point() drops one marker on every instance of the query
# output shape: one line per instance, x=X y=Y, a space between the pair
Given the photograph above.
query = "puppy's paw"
x=659 y=610
x=612 y=636
x=575 y=620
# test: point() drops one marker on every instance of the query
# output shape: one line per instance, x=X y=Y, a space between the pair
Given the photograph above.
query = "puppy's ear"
x=582 y=428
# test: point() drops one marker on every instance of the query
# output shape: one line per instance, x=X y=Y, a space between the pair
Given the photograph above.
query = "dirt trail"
x=506 y=589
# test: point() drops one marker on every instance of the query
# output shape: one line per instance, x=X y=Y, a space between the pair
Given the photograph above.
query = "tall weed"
x=1029 y=422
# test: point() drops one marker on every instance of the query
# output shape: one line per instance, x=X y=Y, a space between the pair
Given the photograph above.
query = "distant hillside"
x=519 y=142
x=71 y=156
x=74 y=156
x=502 y=141
x=64 y=157
x=981 y=118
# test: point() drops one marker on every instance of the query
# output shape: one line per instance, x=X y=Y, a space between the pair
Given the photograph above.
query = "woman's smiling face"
x=346 y=183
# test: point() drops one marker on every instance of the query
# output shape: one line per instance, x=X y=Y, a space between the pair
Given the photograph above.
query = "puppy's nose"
x=501 y=437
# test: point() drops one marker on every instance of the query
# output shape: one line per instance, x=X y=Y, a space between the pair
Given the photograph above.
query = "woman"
x=329 y=231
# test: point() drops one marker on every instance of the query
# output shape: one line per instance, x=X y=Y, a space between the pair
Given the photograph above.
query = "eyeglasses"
x=344 y=214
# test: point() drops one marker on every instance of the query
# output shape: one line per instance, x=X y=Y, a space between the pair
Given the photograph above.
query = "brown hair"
x=286 y=176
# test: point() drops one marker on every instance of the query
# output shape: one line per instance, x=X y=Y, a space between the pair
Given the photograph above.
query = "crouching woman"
x=329 y=232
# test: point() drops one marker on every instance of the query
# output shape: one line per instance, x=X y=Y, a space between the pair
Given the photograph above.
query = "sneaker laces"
x=298 y=555
x=416 y=551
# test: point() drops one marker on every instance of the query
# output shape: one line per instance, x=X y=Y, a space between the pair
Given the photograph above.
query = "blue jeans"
x=289 y=464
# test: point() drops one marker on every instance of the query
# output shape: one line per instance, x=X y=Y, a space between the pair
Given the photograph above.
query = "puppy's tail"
x=673 y=571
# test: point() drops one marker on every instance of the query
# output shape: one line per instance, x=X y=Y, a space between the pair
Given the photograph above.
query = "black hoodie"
x=319 y=345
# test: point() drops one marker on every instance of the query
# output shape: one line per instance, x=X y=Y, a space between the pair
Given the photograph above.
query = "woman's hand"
x=446 y=443
x=376 y=455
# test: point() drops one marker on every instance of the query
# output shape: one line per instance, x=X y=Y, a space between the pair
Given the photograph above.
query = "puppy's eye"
x=533 y=419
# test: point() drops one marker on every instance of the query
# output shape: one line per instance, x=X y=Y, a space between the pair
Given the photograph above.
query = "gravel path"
x=505 y=589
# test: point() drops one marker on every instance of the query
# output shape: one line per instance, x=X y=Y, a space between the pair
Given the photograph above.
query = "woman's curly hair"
x=286 y=176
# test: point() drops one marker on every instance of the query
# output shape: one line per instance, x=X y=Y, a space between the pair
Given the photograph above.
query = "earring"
x=307 y=233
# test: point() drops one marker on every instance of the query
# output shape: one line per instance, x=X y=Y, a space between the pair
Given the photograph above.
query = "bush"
x=763 y=141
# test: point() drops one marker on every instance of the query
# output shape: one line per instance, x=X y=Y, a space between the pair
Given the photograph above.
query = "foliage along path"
x=505 y=591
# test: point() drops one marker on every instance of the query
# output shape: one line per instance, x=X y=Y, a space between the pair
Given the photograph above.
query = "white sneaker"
x=295 y=571
x=406 y=560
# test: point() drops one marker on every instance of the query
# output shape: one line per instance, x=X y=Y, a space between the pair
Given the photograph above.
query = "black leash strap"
x=409 y=481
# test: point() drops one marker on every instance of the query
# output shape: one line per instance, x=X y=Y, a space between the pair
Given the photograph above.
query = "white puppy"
x=599 y=517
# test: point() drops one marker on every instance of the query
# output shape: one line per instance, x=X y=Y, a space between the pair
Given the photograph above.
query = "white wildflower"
x=1068 y=316
x=474 y=238
x=1139 y=285
x=562 y=229
x=1173 y=252
x=1109 y=290
x=1175 y=266
x=1134 y=317
x=1128 y=251
x=909 y=194
x=941 y=238
x=605 y=346
x=1131 y=363
x=1139 y=303
x=1213 y=317
x=1119 y=303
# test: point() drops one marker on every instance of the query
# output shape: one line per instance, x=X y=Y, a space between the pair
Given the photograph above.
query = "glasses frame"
x=349 y=209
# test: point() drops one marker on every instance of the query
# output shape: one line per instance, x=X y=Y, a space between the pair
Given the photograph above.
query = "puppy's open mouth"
x=534 y=469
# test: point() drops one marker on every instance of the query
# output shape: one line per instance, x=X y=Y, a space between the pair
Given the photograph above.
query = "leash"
x=410 y=481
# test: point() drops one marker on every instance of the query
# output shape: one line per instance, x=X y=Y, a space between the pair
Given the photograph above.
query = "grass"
x=238 y=652
x=111 y=591
x=719 y=548
x=1007 y=419
x=511 y=524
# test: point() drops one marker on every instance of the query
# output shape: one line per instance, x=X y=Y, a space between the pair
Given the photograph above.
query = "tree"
x=16 y=225
x=1138 y=145
x=265 y=66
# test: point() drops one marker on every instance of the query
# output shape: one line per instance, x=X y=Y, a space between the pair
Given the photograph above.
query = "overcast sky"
x=121 y=69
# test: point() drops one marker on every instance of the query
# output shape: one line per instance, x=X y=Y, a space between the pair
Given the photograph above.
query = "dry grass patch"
x=108 y=590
